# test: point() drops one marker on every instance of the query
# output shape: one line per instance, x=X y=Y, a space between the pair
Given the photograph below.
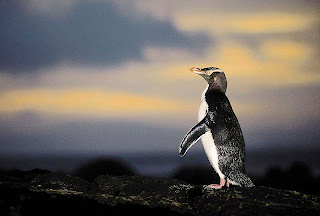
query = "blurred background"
x=106 y=83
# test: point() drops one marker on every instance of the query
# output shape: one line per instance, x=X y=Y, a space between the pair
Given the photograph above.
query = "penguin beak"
x=197 y=70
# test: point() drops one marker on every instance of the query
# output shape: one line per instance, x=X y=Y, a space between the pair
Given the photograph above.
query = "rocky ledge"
x=44 y=193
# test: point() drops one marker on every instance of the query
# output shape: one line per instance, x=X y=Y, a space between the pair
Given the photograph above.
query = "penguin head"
x=214 y=76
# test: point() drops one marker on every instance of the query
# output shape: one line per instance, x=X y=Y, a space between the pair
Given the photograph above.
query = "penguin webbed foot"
x=214 y=186
x=223 y=183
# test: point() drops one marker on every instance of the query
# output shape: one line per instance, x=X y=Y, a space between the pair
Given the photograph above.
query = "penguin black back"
x=227 y=133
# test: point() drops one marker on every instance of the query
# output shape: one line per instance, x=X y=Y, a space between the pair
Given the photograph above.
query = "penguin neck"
x=215 y=89
x=213 y=95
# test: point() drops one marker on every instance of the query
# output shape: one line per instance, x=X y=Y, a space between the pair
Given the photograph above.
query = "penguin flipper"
x=194 y=135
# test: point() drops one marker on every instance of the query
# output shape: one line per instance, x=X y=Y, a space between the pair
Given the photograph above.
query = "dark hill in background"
x=103 y=166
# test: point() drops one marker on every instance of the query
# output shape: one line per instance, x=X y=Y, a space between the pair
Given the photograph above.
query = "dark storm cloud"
x=92 y=33
x=25 y=134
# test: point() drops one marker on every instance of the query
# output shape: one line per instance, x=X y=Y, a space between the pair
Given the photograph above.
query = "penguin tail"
x=248 y=183
x=242 y=180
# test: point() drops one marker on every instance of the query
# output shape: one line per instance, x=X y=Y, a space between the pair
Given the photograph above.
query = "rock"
x=60 y=194
x=60 y=181
x=257 y=201
x=149 y=191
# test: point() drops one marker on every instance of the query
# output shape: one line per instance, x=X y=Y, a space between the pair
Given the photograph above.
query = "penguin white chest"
x=207 y=139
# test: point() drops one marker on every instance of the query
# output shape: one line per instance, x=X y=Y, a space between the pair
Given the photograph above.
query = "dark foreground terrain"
x=40 y=192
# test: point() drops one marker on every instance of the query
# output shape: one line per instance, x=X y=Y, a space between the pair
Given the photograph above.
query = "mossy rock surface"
x=44 y=193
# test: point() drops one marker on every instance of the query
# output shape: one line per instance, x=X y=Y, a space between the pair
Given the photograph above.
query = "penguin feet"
x=223 y=182
x=214 y=186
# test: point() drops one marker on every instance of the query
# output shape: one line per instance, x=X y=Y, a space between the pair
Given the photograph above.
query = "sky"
x=110 y=76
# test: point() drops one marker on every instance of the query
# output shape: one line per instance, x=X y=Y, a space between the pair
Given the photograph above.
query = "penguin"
x=219 y=130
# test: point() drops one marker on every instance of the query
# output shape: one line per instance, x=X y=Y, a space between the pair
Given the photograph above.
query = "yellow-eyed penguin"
x=219 y=131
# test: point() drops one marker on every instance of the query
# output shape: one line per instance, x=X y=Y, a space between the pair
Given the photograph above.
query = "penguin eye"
x=210 y=72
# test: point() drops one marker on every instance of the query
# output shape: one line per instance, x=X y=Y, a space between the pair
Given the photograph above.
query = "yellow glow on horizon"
x=94 y=103
x=88 y=102
x=253 y=23
x=271 y=22
x=286 y=50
